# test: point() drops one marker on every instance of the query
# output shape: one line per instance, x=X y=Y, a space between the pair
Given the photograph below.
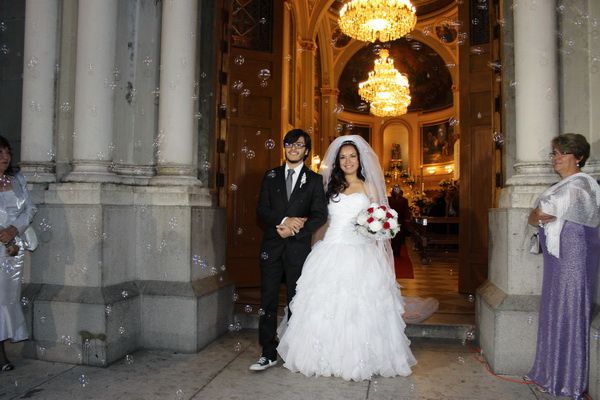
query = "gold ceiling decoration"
x=383 y=20
x=386 y=89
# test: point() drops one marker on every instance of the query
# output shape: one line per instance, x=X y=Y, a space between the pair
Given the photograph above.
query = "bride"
x=347 y=314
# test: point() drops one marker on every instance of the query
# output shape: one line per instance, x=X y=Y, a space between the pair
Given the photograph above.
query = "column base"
x=39 y=172
x=171 y=174
x=507 y=327
x=91 y=171
x=530 y=179
x=98 y=326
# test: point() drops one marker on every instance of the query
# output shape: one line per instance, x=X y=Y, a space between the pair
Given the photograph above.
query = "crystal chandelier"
x=386 y=89
x=383 y=20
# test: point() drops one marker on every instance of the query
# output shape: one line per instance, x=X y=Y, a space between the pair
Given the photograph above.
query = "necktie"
x=288 y=183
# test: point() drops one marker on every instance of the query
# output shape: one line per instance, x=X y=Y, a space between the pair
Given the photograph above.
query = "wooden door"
x=253 y=136
x=477 y=115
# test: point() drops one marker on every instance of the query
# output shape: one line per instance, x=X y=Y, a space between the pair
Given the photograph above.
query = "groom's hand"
x=284 y=231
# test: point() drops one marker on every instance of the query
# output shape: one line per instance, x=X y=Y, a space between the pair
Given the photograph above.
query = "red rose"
x=383 y=208
x=371 y=219
x=388 y=215
x=386 y=225
x=370 y=210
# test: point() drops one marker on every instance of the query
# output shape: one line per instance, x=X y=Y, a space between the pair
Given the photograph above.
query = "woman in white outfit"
x=16 y=213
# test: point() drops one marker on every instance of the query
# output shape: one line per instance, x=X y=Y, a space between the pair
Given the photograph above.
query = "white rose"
x=393 y=212
x=393 y=223
x=379 y=213
x=375 y=226
x=361 y=219
x=374 y=205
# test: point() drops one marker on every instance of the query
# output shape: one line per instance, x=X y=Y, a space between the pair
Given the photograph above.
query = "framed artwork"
x=437 y=143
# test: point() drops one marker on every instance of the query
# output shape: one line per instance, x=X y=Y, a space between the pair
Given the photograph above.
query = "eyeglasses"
x=296 y=145
x=557 y=153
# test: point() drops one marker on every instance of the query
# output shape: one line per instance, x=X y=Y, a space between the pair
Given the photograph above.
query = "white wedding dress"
x=346 y=316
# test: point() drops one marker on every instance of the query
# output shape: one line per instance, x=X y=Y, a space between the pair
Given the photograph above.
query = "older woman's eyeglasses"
x=296 y=145
x=557 y=153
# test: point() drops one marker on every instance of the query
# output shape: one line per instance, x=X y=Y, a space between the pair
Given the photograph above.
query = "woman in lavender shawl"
x=568 y=217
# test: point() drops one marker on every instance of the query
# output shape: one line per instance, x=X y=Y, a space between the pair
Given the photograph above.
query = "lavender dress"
x=561 y=360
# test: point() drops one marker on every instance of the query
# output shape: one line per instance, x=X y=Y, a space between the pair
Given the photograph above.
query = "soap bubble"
x=269 y=144
x=83 y=380
x=239 y=59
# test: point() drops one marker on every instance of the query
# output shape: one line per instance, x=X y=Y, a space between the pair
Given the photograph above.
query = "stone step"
x=438 y=326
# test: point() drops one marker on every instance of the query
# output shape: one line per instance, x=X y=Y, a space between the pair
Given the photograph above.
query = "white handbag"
x=534 y=244
x=30 y=239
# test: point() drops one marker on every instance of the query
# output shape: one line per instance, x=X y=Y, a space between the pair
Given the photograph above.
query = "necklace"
x=5 y=181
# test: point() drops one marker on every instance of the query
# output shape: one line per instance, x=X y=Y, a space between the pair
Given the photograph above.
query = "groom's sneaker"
x=262 y=364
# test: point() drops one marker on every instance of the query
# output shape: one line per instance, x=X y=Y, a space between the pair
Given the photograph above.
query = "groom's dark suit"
x=281 y=257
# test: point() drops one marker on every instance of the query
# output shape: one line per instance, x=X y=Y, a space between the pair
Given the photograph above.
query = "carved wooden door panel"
x=253 y=137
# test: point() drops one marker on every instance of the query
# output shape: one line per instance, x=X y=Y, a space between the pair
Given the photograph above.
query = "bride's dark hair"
x=337 y=182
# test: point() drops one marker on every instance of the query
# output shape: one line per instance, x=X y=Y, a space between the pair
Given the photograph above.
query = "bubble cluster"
x=238 y=85
x=239 y=59
x=83 y=380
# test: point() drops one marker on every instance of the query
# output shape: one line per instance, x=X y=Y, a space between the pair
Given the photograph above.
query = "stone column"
x=176 y=124
x=536 y=93
x=37 y=126
x=307 y=63
x=508 y=303
x=95 y=80
x=329 y=98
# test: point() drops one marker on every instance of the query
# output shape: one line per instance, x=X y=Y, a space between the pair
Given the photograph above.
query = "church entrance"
x=289 y=66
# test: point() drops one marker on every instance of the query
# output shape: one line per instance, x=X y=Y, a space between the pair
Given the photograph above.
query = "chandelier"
x=383 y=20
x=386 y=89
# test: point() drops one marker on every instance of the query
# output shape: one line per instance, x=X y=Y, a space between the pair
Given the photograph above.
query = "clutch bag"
x=534 y=244
x=30 y=239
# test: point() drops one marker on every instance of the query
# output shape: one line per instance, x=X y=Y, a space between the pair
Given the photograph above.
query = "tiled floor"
x=445 y=370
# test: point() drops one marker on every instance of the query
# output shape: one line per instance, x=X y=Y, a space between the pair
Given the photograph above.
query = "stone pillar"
x=308 y=50
x=508 y=303
x=329 y=98
x=95 y=77
x=37 y=126
x=176 y=124
x=536 y=94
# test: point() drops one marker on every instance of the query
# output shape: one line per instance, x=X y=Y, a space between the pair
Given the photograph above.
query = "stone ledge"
x=115 y=293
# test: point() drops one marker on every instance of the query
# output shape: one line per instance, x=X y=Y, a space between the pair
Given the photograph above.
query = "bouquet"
x=378 y=221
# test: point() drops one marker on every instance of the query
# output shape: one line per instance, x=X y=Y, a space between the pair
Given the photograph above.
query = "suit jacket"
x=307 y=200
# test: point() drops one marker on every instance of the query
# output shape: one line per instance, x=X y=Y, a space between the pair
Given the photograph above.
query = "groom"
x=291 y=206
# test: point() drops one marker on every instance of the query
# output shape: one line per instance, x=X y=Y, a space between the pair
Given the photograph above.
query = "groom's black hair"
x=293 y=136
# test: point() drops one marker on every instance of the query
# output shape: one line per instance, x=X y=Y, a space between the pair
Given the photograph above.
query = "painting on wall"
x=438 y=143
